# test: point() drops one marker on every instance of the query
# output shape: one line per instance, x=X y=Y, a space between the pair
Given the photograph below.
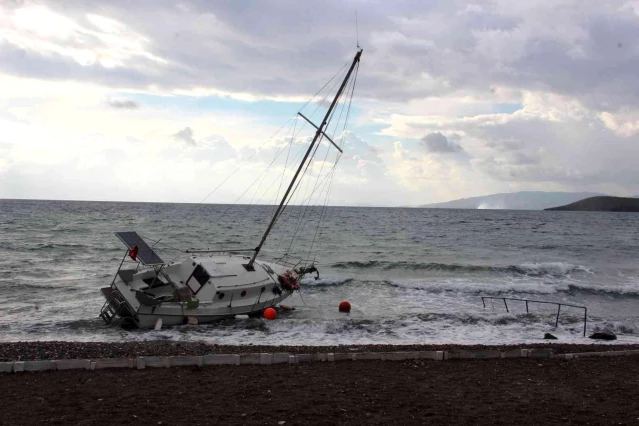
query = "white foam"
x=465 y=285
x=551 y=268
x=327 y=280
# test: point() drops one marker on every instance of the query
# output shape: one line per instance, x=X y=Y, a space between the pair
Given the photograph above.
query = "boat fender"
x=287 y=308
x=289 y=281
x=158 y=324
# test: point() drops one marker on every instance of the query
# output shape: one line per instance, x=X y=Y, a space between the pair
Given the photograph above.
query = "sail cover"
x=146 y=254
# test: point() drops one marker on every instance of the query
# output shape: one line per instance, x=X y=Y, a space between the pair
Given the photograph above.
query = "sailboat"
x=209 y=286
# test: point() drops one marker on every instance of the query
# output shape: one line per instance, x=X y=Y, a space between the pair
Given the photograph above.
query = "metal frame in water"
x=559 y=305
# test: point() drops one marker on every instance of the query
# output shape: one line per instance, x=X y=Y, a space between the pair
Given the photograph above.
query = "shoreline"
x=49 y=350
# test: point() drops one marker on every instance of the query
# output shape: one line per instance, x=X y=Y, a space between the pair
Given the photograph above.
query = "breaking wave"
x=326 y=281
x=529 y=269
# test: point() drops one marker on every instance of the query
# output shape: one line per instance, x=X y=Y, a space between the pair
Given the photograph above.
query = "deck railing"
x=559 y=305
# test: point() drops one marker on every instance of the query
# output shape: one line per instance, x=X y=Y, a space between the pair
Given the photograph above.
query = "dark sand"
x=497 y=392
x=92 y=350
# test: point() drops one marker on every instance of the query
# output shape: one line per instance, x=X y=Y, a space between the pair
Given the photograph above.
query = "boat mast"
x=318 y=133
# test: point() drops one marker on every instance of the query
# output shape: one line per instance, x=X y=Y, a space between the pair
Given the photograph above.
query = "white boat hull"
x=196 y=290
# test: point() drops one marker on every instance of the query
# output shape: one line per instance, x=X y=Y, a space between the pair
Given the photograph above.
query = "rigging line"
x=306 y=205
x=335 y=166
x=292 y=130
x=336 y=161
x=319 y=219
x=223 y=214
x=319 y=229
x=165 y=245
x=285 y=225
x=299 y=154
x=318 y=183
x=322 y=136
x=190 y=213
x=326 y=84
x=246 y=217
x=319 y=104
x=319 y=222
x=308 y=163
x=303 y=208
x=349 y=107
x=350 y=89
x=284 y=203
x=192 y=209
x=312 y=156
x=290 y=147
x=290 y=198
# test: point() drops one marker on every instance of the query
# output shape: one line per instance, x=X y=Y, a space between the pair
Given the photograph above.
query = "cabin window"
x=198 y=278
x=243 y=293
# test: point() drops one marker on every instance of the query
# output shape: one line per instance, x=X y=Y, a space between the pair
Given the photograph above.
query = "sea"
x=411 y=275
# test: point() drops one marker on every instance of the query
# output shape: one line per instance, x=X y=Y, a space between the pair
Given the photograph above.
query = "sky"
x=160 y=101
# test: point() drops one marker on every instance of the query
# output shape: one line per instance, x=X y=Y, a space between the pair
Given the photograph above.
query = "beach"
x=502 y=391
x=492 y=391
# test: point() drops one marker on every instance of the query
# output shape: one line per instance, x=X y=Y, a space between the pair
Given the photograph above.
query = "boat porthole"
x=221 y=296
x=262 y=289
x=243 y=293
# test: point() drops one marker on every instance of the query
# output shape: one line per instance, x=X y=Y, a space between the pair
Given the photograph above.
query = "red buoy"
x=270 y=313
x=345 y=306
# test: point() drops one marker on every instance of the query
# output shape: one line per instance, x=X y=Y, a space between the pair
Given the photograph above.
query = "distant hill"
x=603 y=204
x=524 y=200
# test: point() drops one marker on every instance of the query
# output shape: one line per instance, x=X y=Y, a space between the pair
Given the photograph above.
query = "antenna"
x=356 y=29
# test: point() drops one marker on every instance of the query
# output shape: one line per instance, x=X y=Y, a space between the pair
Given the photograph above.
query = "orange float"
x=345 y=306
x=270 y=313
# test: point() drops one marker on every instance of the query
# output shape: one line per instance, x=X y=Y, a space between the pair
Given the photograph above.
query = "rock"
x=550 y=336
x=603 y=335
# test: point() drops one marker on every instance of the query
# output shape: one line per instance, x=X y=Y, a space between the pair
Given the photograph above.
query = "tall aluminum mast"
x=318 y=133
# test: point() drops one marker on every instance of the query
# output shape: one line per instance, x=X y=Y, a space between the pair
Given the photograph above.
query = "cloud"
x=123 y=103
x=542 y=97
x=185 y=135
x=438 y=143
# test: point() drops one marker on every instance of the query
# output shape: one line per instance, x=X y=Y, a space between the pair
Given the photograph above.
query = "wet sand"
x=496 y=392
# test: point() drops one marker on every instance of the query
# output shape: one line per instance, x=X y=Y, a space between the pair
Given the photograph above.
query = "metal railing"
x=559 y=305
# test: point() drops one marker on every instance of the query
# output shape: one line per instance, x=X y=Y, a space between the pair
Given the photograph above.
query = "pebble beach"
x=497 y=392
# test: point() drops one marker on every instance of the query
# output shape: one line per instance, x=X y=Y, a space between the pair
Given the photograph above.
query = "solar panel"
x=146 y=254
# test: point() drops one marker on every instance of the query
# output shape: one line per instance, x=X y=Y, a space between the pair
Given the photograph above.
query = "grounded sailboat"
x=209 y=286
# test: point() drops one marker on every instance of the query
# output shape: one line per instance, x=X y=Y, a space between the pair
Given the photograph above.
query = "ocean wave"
x=479 y=287
x=530 y=269
x=326 y=281
x=549 y=268
x=49 y=246
x=538 y=286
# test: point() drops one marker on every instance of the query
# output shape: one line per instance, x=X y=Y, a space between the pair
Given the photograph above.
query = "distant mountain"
x=524 y=200
x=603 y=204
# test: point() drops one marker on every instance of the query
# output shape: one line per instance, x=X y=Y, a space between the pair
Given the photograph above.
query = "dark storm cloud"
x=436 y=142
x=412 y=49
